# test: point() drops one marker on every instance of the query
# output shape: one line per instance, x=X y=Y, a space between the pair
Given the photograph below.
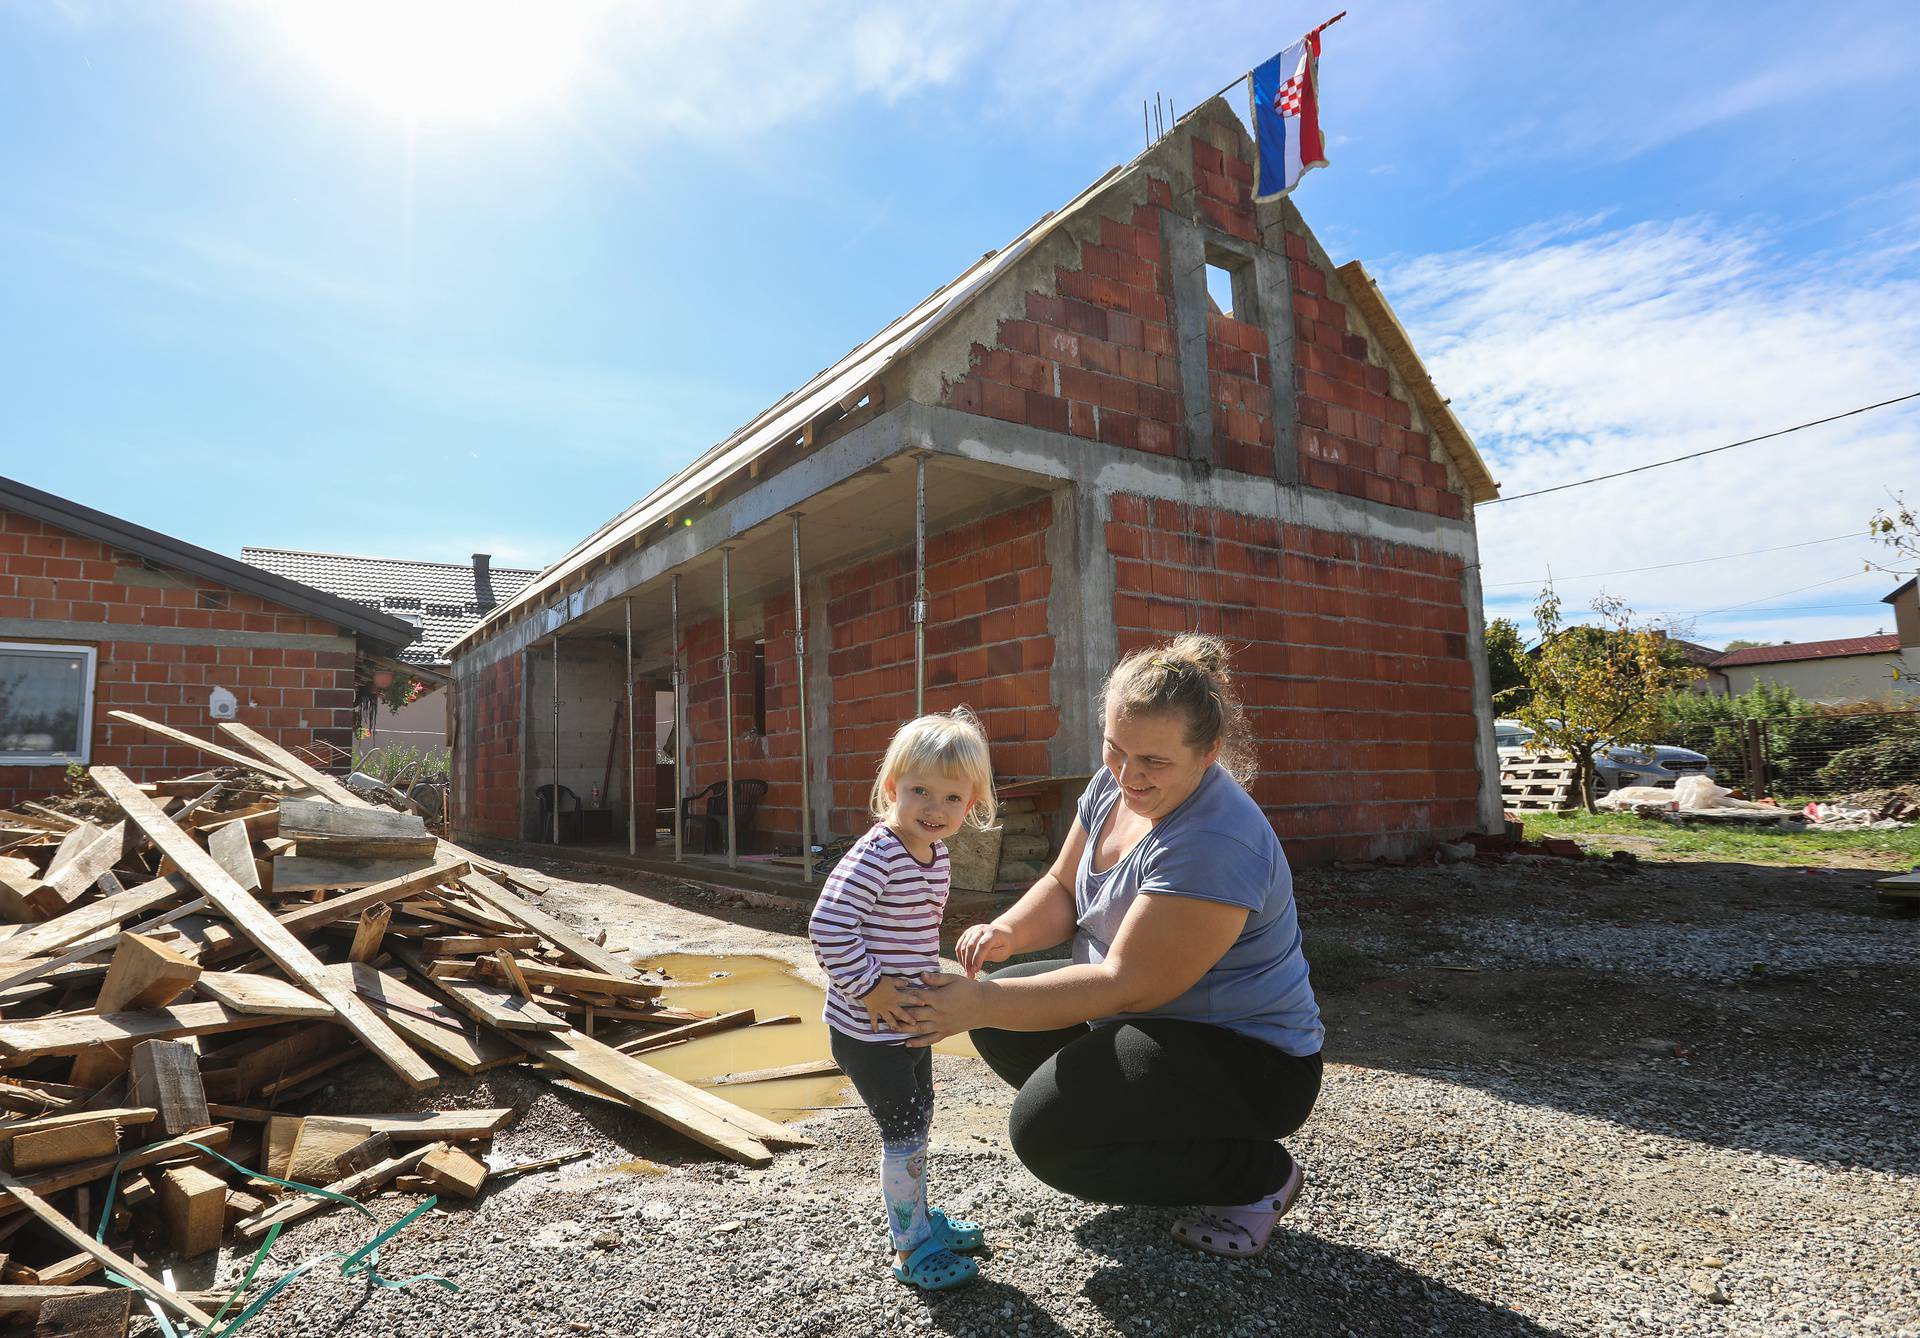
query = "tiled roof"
x=1809 y=650
x=440 y=594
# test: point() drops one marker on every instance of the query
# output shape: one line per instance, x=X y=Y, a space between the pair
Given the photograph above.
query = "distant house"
x=1853 y=668
x=98 y=614
x=442 y=601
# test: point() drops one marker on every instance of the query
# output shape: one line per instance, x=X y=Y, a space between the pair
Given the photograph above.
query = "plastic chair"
x=712 y=824
x=569 y=802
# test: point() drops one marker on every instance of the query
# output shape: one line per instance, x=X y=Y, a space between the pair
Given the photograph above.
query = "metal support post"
x=726 y=695
x=554 y=794
x=800 y=699
x=679 y=730
x=633 y=771
x=920 y=586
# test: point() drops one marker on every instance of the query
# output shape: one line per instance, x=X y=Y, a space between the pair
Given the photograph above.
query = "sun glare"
x=443 y=59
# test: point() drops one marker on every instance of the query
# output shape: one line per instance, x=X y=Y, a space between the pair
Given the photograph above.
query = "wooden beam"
x=76 y=924
x=454 y=1171
x=434 y=1026
x=304 y=818
x=205 y=746
x=194 y=1203
x=806 y=1068
x=269 y=996
x=368 y=933
x=232 y=849
x=120 y=1115
x=80 y=1240
x=587 y=982
x=77 y=1032
x=282 y=762
x=556 y=932
x=316 y=1152
x=81 y=1173
x=66 y=1143
x=166 y=1076
x=314 y=873
x=739 y=1017
x=354 y=1186
x=145 y=973
x=281 y=947
x=305 y=920
x=98 y=856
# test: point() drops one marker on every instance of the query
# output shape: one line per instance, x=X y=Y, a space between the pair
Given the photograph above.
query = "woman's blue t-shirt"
x=1217 y=846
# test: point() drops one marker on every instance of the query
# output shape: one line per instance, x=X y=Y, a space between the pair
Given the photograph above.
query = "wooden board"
x=120 y=1115
x=806 y=1068
x=281 y=761
x=495 y=1008
x=170 y=1150
x=232 y=849
x=283 y=1131
x=585 y=982
x=556 y=932
x=269 y=996
x=252 y=920
x=450 y=1126
x=456 y=945
x=73 y=1033
x=454 y=1171
x=434 y=1026
x=315 y=1159
x=369 y=932
x=166 y=1076
x=303 y=873
x=91 y=918
x=80 y=1240
x=706 y=1026
x=96 y=857
x=102 y=1313
x=145 y=973
x=306 y=919
x=354 y=1186
x=67 y=1143
x=204 y=745
x=300 y=818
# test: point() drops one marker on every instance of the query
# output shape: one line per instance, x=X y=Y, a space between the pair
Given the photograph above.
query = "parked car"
x=1616 y=766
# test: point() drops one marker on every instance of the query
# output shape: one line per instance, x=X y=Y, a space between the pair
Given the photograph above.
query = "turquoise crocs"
x=956 y=1235
x=935 y=1268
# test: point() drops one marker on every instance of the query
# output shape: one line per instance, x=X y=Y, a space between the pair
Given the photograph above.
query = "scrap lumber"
x=100 y=1312
x=375 y=1148
x=489 y=1006
x=231 y=846
x=458 y=945
x=77 y=839
x=554 y=931
x=309 y=918
x=67 y=881
x=368 y=933
x=320 y=873
x=354 y=1186
x=806 y=1068
x=145 y=973
x=429 y=1023
x=81 y=1173
x=22 y=894
x=120 y=1115
x=280 y=761
x=286 y=951
x=315 y=1159
x=706 y=1026
x=283 y=1131
x=75 y=1033
x=80 y=1240
x=206 y=746
x=91 y=918
x=250 y=992
x=62 y=1145
x=452 y=1170
x=575 y=981
x=194 y=1204
x=32 y=971
x=166 y=1076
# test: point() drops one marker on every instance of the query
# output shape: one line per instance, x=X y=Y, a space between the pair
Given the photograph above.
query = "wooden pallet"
x=1532 y=783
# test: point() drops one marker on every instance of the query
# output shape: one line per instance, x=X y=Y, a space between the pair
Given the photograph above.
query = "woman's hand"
x=944 y=1006
x=981 y=944
x=887 y=1003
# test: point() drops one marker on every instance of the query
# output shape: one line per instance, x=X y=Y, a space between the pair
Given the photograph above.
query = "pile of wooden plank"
x=182 y=961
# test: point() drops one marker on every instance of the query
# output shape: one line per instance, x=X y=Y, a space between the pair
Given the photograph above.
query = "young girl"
x=875 y=929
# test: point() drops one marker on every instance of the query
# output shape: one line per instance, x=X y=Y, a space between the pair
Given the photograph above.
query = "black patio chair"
x=569 y=803
x=712 y=823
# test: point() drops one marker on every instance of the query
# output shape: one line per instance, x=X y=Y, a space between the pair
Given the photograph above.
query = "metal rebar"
x=726 y=695
x=633 y=755
x=920 y=586
x=800 y=700
x=679 y=733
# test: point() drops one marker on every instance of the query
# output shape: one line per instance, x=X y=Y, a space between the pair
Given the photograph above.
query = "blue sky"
x=289 y=274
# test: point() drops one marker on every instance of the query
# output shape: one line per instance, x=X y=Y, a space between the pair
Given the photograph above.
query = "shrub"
x=1894 y=760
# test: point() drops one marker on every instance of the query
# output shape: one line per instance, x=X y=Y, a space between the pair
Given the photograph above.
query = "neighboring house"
x=441 y=600
x=98 y=614
x=1711 y=683
x=1855 y=668
x=1106 y=461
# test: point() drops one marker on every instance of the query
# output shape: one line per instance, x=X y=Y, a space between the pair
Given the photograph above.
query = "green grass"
x=1766 y=845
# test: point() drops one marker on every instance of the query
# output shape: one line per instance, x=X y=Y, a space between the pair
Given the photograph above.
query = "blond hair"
x=1188 y=677
x=952 y=746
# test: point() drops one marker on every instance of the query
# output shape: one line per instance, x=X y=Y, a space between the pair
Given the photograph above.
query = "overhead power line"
x=1711 y=450
x=1689 y=562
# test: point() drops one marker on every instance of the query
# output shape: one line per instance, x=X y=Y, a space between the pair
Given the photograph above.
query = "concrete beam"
x=50 y=629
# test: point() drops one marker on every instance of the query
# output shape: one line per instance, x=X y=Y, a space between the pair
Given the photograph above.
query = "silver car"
x=1616 y=766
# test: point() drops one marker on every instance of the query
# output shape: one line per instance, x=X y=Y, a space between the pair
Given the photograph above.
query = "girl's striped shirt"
x=878 y=914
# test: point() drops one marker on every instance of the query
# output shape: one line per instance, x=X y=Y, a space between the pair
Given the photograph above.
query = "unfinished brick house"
x=98 y=614
x=1105 y=458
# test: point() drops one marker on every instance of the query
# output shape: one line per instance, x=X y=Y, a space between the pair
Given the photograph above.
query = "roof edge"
x=243 y=576
x=1364 y=289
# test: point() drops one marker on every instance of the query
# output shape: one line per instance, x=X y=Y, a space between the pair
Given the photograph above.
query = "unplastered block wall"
x=988 y=648
x=771 y=755
x=165 y=641
x=488 y=751
x=592 y=732
x=1350 y=656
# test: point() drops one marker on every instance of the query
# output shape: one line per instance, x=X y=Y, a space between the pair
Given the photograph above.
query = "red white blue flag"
x=1286 y=117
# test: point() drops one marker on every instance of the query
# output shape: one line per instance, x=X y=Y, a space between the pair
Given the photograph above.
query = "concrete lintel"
x=49 y=629
x=1106 y=469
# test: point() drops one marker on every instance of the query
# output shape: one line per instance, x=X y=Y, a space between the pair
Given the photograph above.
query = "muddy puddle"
x=720 y=984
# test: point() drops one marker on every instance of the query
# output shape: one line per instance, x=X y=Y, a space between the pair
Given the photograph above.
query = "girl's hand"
x=885 y=1004
x=981 y=944
x=946 y=1005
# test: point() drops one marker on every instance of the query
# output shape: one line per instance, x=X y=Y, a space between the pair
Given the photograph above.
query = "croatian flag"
x=1286 y=117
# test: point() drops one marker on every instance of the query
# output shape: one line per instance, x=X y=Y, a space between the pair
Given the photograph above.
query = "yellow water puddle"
x=721 y=984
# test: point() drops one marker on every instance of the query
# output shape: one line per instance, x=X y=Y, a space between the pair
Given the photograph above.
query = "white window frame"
x=55 y=649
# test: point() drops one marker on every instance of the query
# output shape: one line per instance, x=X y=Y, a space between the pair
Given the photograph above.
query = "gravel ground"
x=1634 y=1135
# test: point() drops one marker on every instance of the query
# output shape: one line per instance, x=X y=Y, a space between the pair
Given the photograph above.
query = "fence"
x=1820 y=756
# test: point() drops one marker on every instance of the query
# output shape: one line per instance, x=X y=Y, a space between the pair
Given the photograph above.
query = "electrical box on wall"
x=222 y=705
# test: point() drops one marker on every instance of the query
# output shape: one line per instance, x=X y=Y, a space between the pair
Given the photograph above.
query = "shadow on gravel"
x=987 y=1309
x=1301 y=1285
x=1739 y=1006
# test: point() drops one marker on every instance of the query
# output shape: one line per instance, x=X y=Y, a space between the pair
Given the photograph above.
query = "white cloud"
x=1574 y=349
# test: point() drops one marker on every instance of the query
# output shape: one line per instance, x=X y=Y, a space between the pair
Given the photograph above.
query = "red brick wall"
x=490 y=741
x=295 y=697
x=1351 y=658
x=987 y=648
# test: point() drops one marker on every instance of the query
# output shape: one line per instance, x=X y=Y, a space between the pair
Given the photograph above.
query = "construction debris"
x=141 y=923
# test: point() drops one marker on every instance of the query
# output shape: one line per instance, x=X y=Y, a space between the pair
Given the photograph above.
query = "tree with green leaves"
x=1506 y=656
x=1747 y=645
x=1594 y=685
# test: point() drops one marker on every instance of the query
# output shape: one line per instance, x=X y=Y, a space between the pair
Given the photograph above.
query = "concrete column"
x=1492 y=810
x=1273 y=299
x=1086 y=643
x=1186 y=251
